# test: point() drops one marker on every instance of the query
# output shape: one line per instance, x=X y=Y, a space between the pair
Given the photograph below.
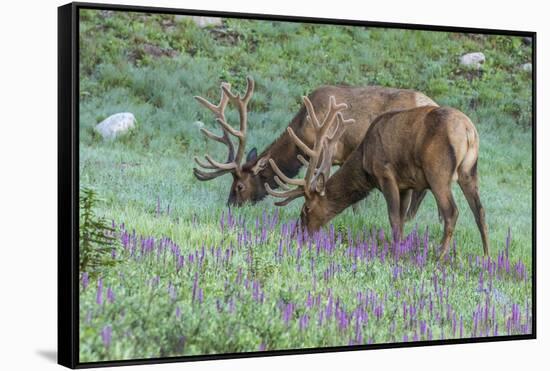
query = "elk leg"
x=447 y=207
x=416 y=200
x=469 y=186
x=391 y=194
x=405 y=203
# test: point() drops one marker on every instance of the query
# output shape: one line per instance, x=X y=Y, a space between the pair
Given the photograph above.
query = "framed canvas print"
x=236 y=185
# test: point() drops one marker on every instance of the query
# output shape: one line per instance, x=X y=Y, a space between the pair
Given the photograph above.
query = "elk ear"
x=252 y=155
x=260 y=165
x=320 y=184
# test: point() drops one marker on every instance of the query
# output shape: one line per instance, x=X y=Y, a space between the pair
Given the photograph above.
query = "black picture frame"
x=68 y=181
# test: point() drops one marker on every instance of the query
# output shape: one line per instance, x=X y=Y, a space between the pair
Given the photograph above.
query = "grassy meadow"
x=189 y=277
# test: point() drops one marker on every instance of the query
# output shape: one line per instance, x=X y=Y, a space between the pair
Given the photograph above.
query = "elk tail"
x=471 y=137
x=469 y=163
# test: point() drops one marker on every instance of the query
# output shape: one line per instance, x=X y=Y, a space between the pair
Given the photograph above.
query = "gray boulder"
x=473 y=60
x=207 y=21
x=201 y=21
x=116 y=125
x=527 y=67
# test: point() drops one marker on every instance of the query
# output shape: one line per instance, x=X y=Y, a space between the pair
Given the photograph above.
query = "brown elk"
x=364 y=104
x=403 y=151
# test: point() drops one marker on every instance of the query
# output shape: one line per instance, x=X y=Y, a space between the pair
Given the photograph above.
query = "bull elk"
x=364 y=104
x=403 y=151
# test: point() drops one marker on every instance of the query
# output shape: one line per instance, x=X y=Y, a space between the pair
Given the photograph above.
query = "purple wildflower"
x=99 y=295
x=110 y=295
x=304 y=320
x=85 y=280
x=172 y=291
x=106 y=334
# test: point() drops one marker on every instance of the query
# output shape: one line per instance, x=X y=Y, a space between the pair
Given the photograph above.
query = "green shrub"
x=96 y=236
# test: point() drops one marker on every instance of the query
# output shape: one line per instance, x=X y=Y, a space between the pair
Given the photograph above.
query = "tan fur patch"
x=422 y=100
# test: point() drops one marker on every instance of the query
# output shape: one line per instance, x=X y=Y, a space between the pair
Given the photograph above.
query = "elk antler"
x=326 y=137
x=233 y=161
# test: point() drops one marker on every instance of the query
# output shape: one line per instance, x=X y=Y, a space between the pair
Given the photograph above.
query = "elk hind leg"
x=405 y=202
x=440 y=179
x=469 y=184
x=447 y=207
x=416 y=200
x=440 y=169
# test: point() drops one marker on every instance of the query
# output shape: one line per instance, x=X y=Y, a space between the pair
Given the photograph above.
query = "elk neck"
x=348 y=185
x=284 y=152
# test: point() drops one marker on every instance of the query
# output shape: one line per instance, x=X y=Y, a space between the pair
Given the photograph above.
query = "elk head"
x=241 y=187
x=314 y=212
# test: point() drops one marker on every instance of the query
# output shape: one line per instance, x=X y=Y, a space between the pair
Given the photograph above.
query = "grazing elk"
x=364 y=104
x=403 y=151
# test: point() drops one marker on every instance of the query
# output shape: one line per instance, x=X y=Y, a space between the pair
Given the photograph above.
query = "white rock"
x=201 y=21
x=207 y=21
x=474 y=60
x=199 y=124
x=115 y=125
x=527 y=67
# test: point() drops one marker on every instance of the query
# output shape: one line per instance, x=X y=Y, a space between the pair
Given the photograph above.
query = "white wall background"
x=28 y=181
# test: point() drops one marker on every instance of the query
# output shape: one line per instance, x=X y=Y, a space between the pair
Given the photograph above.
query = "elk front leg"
x=391 y=194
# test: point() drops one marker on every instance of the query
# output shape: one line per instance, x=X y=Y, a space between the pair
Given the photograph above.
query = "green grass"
x=153 y=164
